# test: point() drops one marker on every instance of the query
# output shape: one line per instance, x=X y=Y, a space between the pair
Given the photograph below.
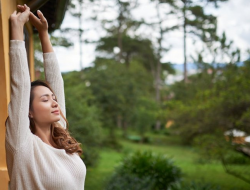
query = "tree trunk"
x=125 y=126
x=119 y=121
x=184 y=42
x=119 y=33
x=158 y=82
x=158 y=125
x=158 y=67
x=80 y=32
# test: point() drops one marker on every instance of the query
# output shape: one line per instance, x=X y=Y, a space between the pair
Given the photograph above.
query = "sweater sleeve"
x=17 y=125
x=54 y=78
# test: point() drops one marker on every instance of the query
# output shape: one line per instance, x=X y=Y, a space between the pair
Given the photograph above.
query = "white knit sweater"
x=33 y=164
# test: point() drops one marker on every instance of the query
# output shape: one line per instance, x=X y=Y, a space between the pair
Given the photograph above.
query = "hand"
x=17 y=21
x=40 y=23
x=20 y=18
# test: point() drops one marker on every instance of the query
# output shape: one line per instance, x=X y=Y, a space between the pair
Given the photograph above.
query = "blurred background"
x=157 y=92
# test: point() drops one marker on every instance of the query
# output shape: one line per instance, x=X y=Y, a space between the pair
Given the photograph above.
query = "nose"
x=55 y=103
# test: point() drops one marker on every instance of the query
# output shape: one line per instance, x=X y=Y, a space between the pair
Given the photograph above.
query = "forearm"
x=16 y=31
x=17 y=130
x=17 y=21
x=45 y=42
x=54 y=78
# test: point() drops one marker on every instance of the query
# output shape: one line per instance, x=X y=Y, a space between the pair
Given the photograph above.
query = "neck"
x=44 y=132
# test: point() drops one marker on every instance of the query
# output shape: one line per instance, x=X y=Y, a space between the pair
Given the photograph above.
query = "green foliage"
x=144 y=115
x=145 y=166
x=198 y=186
x=38 y=56
x=234 y=157
x=130 y=181
x=212 y=146
x=60 y=41
x=83 y=116
x=208 y=173
x=210 y=105
x=134 y=49
x=200 y=24
x=119 y=92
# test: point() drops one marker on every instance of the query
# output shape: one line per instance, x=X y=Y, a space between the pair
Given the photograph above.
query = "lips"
x=56 y=111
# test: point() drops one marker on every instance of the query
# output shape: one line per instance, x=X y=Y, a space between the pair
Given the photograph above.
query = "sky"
x=233 y=17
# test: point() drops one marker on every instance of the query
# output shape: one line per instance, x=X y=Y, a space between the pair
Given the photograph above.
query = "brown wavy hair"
x=60 y=136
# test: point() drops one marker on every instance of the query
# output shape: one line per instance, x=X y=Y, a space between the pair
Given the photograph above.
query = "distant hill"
x=193 y=66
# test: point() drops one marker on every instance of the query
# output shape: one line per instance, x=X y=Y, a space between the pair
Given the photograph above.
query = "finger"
x=26 y=8
x=33 y=17
x=14 y=13
x=19 y=13
x=20 y=7
x=40 y=15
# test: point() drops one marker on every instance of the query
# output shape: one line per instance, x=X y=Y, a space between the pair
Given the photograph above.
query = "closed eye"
x=47 y=100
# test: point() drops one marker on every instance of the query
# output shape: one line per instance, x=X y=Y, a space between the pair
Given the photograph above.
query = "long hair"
x=60 y=135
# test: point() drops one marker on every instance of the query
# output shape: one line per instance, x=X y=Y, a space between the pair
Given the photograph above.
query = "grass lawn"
x=184 y=157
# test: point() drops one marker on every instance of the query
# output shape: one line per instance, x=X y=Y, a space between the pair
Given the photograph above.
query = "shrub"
x=197 y=186
x=130 y=181
x=236 y=158
x=141 y=168
x=138 y=139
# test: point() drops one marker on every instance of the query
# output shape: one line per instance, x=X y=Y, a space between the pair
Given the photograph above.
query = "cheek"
x=41 y=109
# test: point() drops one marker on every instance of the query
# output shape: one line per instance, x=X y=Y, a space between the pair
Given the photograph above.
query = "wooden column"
x=6 y=9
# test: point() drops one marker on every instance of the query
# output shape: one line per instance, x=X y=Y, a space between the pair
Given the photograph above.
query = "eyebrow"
x=47 y=95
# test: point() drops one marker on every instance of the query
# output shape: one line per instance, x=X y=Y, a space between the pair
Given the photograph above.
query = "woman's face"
x=45 y=108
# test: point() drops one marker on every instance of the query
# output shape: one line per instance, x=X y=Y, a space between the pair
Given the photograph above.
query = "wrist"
x=16 y=26
x=16 y=32
x=43 y=34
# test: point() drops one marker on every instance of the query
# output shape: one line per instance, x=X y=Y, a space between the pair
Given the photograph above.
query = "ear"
x=30 y=114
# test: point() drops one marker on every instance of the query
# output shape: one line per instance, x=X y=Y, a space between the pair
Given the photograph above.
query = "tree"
x=83 y=116
x=216 y=102
x=198 y=23
x=117 y=91
x=195 y=22
x=144 y=115
x=121 y=34
x=80 y=9
x=122 y=24
x=56 y=41
x=159 y=67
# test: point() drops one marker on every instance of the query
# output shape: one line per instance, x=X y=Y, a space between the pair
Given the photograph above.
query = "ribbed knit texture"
x=33 y=164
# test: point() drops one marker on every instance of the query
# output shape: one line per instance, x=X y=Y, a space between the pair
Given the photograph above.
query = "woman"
x=41 y=154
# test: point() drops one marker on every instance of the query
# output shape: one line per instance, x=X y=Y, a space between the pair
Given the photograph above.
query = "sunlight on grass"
x=184 y=157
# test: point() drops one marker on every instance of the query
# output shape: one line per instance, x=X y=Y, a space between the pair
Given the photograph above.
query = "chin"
x=56 y=119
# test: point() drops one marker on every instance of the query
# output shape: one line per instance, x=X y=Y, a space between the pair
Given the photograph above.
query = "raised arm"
x=52 y=71
x=17 y=125
x=53 y=75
